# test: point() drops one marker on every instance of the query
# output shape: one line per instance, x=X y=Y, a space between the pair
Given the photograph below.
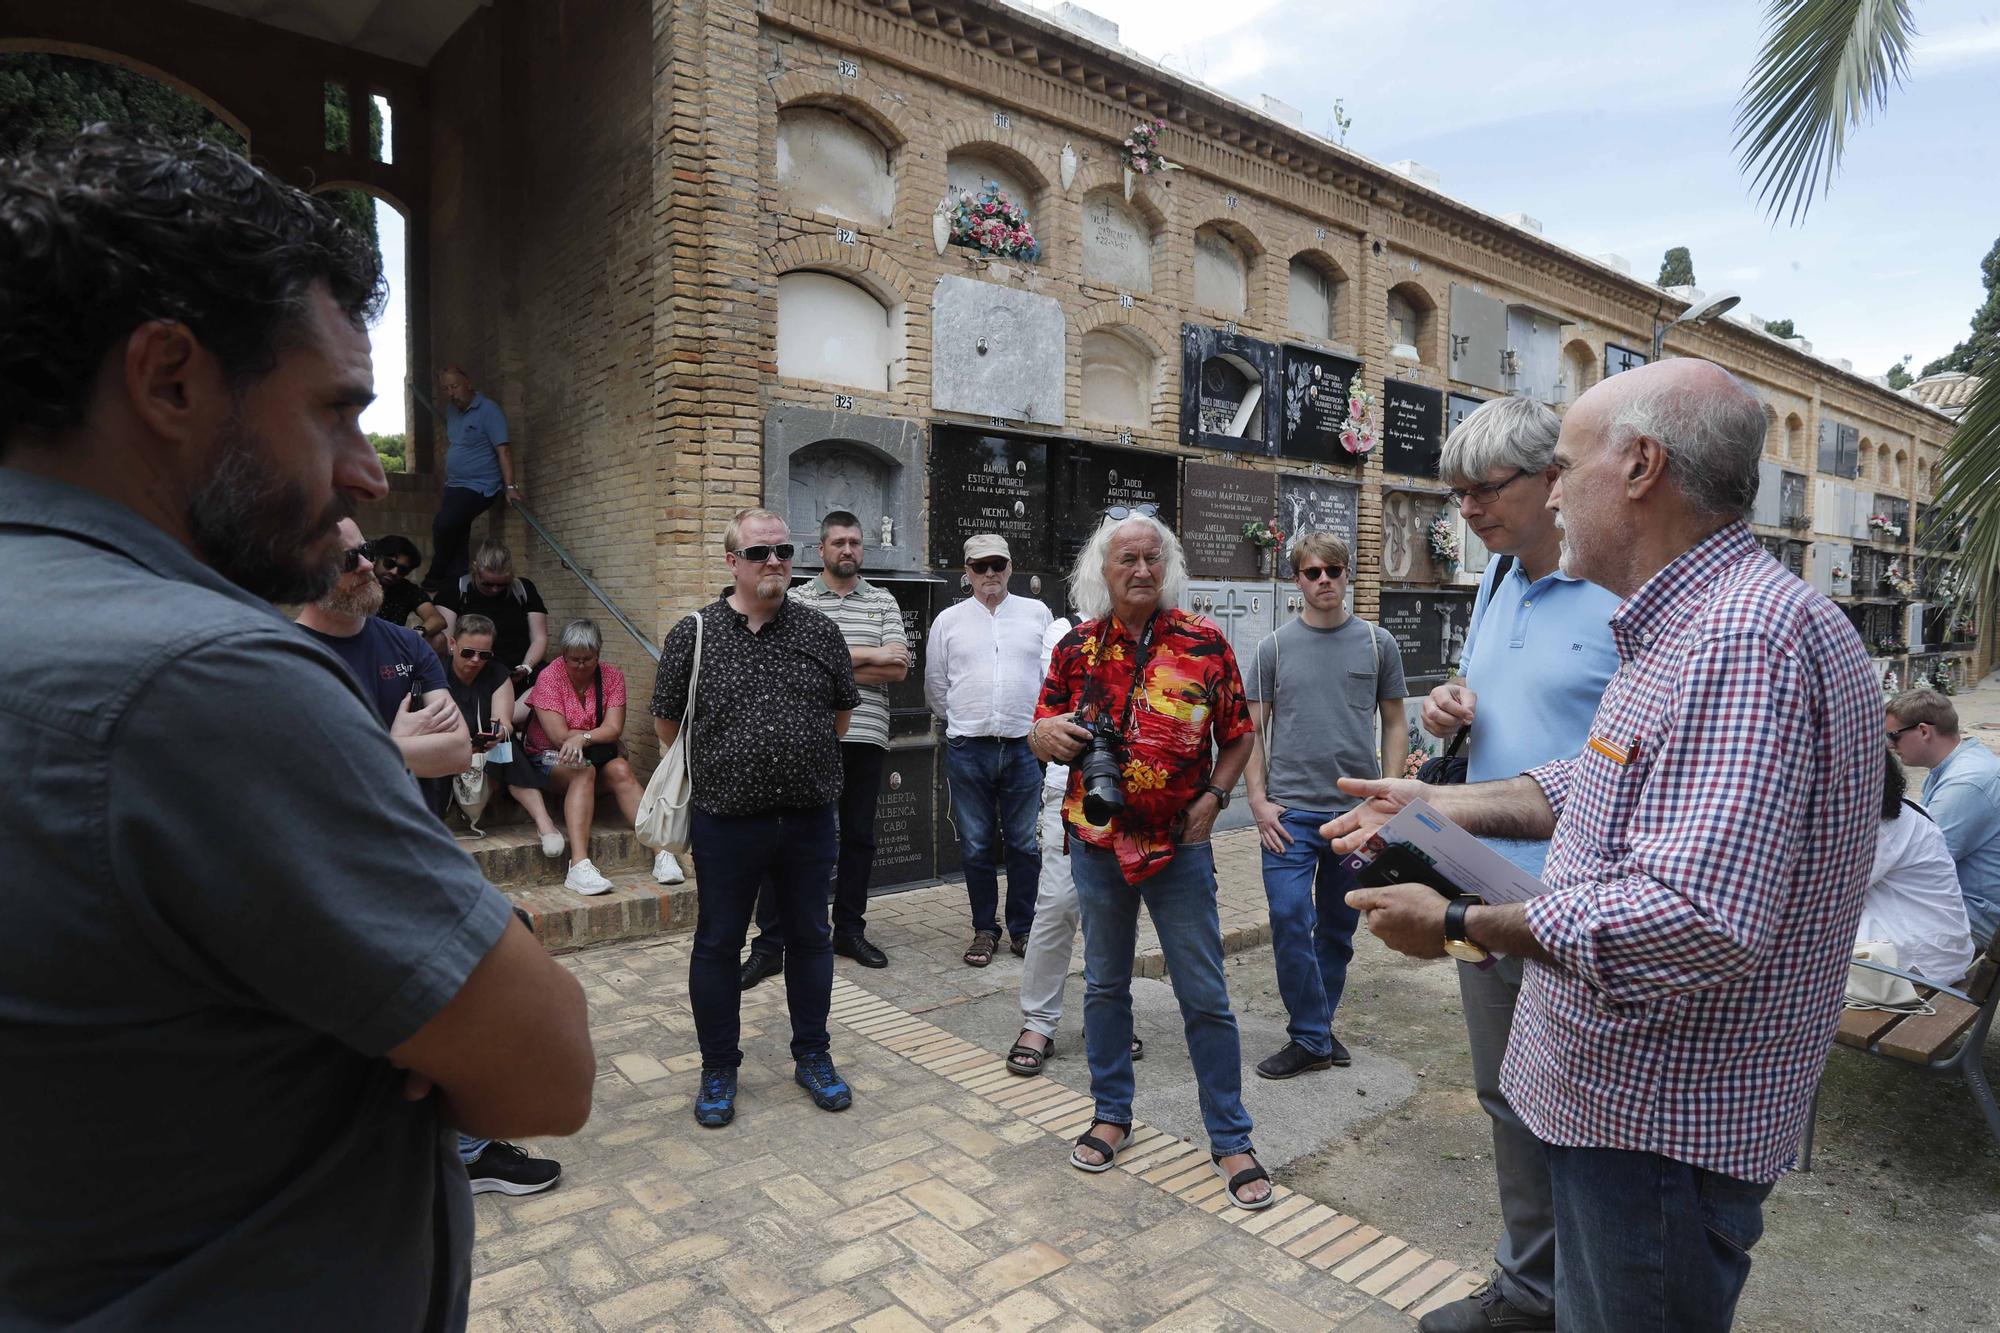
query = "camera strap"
x=1138 y=674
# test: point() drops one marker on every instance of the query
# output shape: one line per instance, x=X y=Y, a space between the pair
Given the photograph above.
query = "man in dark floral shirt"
x=1166 y=683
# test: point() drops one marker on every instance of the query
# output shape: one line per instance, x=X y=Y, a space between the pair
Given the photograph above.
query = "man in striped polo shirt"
x=872 y=623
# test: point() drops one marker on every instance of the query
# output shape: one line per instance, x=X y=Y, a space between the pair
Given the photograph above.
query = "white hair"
x=1504 y=433
x=1713 y=438
x=1090 y=593
x=581 y=636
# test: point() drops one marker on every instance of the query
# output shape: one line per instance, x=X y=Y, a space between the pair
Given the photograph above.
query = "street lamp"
x=1719 y=304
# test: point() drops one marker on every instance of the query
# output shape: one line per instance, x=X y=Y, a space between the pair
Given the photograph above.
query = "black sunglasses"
x=476 y=654
x=351 y=558
x=1485 y=494
x=757 y=555
x=1118 y=513
x=1901 y=732
x=992 y=564
x=1316 y=572
x=395 y=567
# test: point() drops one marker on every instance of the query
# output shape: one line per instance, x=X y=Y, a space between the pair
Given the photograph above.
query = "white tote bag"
x=665 y=820
x=1869 y=989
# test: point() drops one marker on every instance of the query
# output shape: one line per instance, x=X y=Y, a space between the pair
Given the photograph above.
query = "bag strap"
x=1270 y=712
x=599 y=687
x=1489 y=586
x=694 y=681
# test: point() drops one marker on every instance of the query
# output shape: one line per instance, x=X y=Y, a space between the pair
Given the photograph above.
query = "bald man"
x=1711 y=845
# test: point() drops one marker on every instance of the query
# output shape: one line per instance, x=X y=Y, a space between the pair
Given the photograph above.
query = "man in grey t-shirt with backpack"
x=1318 y=688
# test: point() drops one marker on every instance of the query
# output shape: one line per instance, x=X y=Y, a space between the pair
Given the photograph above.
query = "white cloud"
x=1970 y=44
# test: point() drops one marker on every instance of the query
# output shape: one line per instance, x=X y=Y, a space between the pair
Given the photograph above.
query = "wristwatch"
x=1455 y=942
x=1221 y=796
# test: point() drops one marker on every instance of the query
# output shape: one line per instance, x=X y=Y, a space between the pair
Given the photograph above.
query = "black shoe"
x=758 y=966
x=858 y=948
x=1292 y=1060
x=504 y=1169
x=1485 y=1311
x=1341 y=1059
x=1018 y=946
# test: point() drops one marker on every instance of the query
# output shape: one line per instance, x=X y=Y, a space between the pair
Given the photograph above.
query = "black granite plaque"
x=1221 y=372
x=1091 y=478
x=1315 y=504
x=1315 y=405
x=909 y=715
x=905 y=818
x=1412 y=428
x=982 y=482
x=1430 y=629
x=1215 y=504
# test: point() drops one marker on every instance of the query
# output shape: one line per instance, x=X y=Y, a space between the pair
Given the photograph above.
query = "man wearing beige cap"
x=982 y=678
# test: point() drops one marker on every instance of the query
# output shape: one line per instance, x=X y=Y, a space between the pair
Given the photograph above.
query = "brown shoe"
x=980 y=953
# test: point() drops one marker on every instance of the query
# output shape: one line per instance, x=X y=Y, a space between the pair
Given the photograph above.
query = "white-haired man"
x=1686 y=967
x=1151 y=692
x=1537 y=658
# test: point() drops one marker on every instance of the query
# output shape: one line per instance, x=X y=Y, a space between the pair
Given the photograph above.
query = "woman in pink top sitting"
x=579 y=704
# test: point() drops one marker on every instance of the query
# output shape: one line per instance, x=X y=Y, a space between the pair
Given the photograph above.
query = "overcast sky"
x=1612 y=124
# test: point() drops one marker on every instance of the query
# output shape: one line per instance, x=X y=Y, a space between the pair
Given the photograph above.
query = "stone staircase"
x=510 y=856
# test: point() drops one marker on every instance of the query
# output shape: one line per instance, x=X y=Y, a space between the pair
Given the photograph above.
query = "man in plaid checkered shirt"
x=1711 y=845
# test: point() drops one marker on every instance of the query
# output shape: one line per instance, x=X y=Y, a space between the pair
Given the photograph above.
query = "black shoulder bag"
x=1449 y=768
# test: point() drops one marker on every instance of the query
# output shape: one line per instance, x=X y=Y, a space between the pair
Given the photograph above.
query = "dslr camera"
x=1102 y=766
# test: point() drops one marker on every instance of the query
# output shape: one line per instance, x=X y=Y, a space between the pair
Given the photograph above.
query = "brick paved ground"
x=941 y=1200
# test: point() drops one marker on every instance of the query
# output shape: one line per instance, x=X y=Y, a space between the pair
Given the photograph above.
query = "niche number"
x=1319 y=234
x=1124 y=300
x=1229 y=201
x=845 y=236
x=849 y=70
x=1229 y=326
x=843 y=402
x=1124 y=437
x=1001 y=121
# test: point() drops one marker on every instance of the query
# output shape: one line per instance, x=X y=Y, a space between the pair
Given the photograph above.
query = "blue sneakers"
x=815 y=1073
x=715 y=1104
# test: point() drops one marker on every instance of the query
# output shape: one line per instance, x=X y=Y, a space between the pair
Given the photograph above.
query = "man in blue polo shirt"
x=1536 y=662
x=1961 y=792
x=478 y=469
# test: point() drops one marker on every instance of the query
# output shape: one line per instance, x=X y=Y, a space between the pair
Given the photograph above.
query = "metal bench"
x=1951 y=1041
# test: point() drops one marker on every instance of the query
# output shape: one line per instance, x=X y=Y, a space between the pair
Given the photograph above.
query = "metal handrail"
x=583 y=576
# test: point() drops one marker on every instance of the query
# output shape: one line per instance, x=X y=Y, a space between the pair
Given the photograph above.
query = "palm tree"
x=1825 y=68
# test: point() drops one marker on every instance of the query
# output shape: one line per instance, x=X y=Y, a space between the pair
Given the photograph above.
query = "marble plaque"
x=982 y=482
x=1247 y=613
x=1215 y=504
x=1457 y=407
x=1117 y=244
x=817 y=460
x=1091 y=478
x=1412 y=428
x=905 y=817
x=997 y=352
x=1315 y=504
x=1430 y=630
x=1406 y=536
x=1230 y=391
x=1315 y=405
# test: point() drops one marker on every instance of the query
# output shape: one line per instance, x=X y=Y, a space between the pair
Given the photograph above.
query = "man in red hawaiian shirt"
x=1187 y=701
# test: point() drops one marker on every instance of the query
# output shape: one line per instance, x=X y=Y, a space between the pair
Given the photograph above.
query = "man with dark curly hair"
x=251 y=986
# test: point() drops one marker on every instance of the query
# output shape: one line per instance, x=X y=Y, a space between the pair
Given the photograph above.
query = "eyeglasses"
x=351 y=558
x=476 y=654
x=396 y=567
x=1485 y=494
x=1901 y=732
x=1118 y=513
x=757 y=555
x=990 y=565
x=1318 y=572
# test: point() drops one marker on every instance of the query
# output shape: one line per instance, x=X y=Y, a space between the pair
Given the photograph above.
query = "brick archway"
x=887 y=122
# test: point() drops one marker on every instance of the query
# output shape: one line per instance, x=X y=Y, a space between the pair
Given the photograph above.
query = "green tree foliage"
x=393 y=451
x=1985 y=340
x=1780 y=328
x=1677 y=268
x=1899 y=375
x=49 y=96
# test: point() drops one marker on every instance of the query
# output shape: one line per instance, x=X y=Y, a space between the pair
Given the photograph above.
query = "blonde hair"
x=1921 y=705
x=732 y=536
x=1329 y=547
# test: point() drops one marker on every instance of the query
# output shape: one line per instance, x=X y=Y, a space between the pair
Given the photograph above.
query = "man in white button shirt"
x=983 y=677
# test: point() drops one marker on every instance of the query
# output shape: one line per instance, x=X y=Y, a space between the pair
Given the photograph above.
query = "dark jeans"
x=860 y=787
x=1312 y=928
x=791 y=851
x=1525 y=1259
x=996 y=791
x=451 y=533
x=1647 y=1243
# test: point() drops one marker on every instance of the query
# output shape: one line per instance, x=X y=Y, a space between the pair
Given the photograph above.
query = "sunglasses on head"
x=1314 y=573
x=476 y=654
x=1118 y=513
x=351 y=558
x=991 y=564
x=757 y=555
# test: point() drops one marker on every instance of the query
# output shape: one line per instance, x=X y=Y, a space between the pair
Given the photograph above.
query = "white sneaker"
x=583 y=878
x=666 y=869
x=553 y=844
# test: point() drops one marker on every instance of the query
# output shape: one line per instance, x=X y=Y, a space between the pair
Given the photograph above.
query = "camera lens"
x=1103 y=796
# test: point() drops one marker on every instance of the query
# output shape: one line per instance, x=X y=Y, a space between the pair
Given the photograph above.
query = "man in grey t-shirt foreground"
x=1317 y=689
x=250 y=987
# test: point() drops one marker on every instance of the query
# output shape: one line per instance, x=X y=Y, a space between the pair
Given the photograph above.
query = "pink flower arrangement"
x=994 y=224
x=1141 y=150
x=1357 y=433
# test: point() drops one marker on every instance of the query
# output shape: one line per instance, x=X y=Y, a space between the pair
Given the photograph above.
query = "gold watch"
x=1455 y=942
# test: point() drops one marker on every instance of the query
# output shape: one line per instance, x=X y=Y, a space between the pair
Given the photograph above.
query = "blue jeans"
x=1181 y=901
x=469 y=1148
x=1647 y=1243
x=1312 y=928
x=790 y=853
x=996 y=789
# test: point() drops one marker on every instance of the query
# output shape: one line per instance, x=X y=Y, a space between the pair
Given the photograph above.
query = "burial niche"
x=1221 y=272
x=1117 y=243
x=829 y=164
x=844 y=474
x=833 y=330
x=1409 y=322
x=1118 y=374
x=1315 y=299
